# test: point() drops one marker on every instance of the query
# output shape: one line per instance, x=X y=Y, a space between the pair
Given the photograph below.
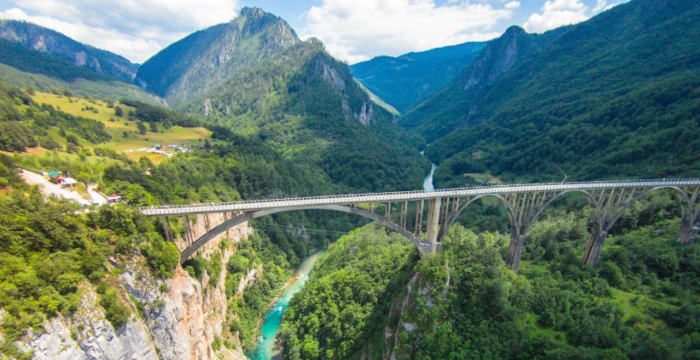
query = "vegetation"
x=602 y=100
x=345 y=303
x=313 y=119
x=59 y=51
x=49 y=251
x=406 y=80
x=640 y=303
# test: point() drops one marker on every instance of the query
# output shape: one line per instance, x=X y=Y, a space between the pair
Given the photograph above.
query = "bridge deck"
x=348 y=199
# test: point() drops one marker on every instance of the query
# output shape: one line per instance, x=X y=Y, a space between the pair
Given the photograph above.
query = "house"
x=68 y=182
x=113 y=199
x=56 y=176
x=158 y=147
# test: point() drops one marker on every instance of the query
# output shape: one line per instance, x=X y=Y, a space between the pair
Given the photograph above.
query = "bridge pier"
x=523 y=210
x=606 y=208
x=690 y=215
x=431 y=235
x=166 y=228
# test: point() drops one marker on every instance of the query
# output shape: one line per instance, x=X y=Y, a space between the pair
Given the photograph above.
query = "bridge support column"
x=594 y=247
x=418 y=228
x=188 y=233
x=166 y=228
x=690 y=216
x=433 y=223
x=523 y=210
x=607 y=206
x=515 y=250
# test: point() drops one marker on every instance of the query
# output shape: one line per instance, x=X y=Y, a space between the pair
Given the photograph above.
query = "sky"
x=352 y=30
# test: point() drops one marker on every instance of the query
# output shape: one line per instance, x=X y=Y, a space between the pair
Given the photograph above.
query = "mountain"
x=24 y=67
x=406 y=80
x=183 y=70
x=58 y=45
x=254 y=77
x=498 y=57
x=615 y=96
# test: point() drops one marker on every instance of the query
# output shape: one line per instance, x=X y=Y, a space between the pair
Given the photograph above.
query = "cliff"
x=176 y=318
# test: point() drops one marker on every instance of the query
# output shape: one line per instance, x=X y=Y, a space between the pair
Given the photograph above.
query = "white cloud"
x=356 y=30
x=512 y=5
x=556 y=13
x=136 y=29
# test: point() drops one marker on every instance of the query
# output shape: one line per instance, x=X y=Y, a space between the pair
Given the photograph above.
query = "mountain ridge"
x=405 y=80
x=36 y=37
x=182 y=69
x=607 y=98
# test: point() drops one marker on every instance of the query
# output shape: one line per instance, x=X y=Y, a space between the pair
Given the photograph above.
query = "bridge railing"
x=583 y=185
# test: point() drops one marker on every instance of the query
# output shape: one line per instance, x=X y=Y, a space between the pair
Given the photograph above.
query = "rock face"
x=198 y=63
x=56 y=44
x=177 y=318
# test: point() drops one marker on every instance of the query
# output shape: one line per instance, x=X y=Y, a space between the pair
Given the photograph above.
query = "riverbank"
x=267 y=346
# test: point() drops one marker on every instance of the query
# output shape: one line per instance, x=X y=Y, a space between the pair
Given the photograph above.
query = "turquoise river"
x=273 y=319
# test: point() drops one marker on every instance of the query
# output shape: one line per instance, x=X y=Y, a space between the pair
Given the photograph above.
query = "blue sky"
x=352 y=30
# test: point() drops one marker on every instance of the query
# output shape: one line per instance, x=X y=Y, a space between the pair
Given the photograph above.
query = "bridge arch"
x=423 y=247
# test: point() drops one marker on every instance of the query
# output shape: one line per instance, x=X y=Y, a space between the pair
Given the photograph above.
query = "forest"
x=601 y=100
x=641 y=303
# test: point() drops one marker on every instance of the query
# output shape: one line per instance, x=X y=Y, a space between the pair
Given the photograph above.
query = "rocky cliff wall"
x=177 y=318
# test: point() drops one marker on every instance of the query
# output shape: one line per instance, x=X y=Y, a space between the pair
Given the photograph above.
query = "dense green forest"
x=344 y=306
x=49 y=250
x=603 y=100
x=305 y=104
x=641 y=303
x=406 y=80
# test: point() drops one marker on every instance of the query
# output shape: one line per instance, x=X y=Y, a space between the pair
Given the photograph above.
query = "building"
x=113 y=199
x=56 y=176
x=68 y=182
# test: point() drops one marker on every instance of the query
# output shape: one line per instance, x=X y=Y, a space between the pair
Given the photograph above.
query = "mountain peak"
x=514 y=31
x=202 y=60
x=252 y=12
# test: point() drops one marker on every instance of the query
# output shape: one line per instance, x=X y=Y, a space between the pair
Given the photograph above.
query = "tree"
x=142 y=128
x=118 y=111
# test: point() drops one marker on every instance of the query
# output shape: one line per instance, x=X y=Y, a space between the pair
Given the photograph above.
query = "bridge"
x=424 y=218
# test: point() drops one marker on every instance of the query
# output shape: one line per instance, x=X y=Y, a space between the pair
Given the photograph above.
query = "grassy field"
x=125 y=136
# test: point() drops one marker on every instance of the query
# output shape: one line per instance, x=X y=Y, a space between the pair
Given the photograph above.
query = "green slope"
x=405 y=80
x=306 y=104
x=34 y=37
x=616 y=96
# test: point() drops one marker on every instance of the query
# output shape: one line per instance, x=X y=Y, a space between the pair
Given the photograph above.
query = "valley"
x=227 y=234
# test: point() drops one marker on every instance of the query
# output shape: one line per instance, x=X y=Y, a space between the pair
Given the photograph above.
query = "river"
x=273 y=319
x=265 y=349
x=428 y=181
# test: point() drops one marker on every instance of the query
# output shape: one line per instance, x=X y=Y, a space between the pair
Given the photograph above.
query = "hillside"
x=615 y=96
x=292 y=95
x=405 y=80
x=446 y=109
x=306 y=104
x=24 y=67
x=370 y=298
x=184 y=69
x=53 y=43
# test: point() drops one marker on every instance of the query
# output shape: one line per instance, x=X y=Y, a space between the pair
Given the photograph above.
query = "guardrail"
x=407 y=195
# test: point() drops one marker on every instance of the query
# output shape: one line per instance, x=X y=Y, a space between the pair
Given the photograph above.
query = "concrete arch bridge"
x=436 y=212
